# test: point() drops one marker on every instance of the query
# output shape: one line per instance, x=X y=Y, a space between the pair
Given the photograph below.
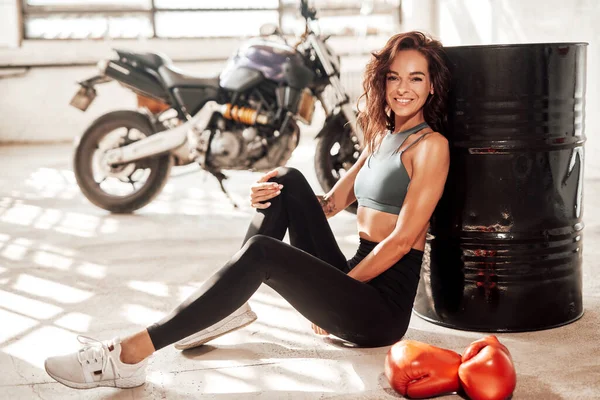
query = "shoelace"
x=93 y=350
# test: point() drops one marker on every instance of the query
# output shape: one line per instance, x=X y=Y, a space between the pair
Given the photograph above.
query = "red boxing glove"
x=419 y=370
x=487 y=371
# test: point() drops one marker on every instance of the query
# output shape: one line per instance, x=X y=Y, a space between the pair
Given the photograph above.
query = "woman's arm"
x=430 y=170
x=342 y=193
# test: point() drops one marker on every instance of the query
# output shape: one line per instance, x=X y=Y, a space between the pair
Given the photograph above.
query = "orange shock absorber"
x=244 y=115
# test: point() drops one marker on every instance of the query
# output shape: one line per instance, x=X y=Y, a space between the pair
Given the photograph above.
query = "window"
x=130 y=19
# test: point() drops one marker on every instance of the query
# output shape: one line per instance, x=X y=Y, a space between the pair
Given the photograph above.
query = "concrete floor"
x=69 y=268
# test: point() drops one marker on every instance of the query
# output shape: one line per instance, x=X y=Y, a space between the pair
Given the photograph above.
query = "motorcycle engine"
x=240 y=147
x=234 y=148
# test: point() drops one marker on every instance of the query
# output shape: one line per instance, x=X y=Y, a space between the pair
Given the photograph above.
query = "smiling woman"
x=365 y=301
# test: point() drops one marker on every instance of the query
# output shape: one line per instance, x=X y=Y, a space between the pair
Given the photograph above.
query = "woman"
x=367 y=300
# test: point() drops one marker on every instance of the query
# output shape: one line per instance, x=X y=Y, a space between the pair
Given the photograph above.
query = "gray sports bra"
x=382 y=183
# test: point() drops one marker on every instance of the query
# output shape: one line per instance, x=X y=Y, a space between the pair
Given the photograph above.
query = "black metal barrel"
x=505 y=246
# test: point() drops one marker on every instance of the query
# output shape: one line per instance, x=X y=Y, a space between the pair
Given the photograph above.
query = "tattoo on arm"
x=327 y=204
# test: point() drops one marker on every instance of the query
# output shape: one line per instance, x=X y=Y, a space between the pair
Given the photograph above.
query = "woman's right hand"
x=263 y=190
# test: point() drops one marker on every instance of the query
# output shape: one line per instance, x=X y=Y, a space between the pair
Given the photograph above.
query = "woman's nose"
x=402 y=87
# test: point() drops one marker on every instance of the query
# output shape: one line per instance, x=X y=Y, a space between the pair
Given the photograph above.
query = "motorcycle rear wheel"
x=89 y=152
x=336 y=153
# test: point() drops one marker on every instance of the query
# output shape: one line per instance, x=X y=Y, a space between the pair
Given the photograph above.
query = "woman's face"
x=408 y=84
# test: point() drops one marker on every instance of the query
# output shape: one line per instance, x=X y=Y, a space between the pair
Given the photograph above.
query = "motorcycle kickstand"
x=221 y=177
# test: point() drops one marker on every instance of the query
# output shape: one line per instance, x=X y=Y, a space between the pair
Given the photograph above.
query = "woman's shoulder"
x=434 y=144
x=436 y=139
x=428 y=140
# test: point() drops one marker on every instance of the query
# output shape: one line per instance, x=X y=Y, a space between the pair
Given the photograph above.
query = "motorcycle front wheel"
x=336 y=152
x=121 y=188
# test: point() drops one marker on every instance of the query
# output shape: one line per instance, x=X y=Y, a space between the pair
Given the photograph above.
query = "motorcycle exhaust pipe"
x=183 y=135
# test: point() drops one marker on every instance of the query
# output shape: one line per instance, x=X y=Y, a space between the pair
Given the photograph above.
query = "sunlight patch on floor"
x=50 y=260
x=45 y=288
x=91 y=270
x=183 y=292
x=42 y=343
x=228 y=381
x=154 y=288
x=16 y=250
x=21 y=214
x=26 y=306
x=55 y=183
x=141 y=315
x=13 y=324
x=77 y=224
x=48 y=219
x=75 y=321
x=70 y=223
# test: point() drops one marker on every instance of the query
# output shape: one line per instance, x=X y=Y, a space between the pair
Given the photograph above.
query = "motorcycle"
x=244 y=119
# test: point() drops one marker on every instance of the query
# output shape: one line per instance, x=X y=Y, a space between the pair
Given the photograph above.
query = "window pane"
x=350 y=25
x=211 y=4
x=343 y=3
x=212 y=23
x=338 y=3
x=359 y=25
x=144 y=4
x=87 y=27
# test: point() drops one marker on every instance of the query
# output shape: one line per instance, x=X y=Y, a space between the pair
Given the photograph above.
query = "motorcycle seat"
x=174 y=77
x=151 y=60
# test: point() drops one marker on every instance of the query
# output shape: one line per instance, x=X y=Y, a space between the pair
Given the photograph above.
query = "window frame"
x=151 y=11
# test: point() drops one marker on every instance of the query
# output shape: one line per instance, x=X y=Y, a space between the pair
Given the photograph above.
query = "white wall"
x=463 y=22
x=9 y=23
x=421 y=15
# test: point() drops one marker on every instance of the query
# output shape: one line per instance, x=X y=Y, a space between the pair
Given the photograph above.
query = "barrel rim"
x=511 y=45
x=474 y=328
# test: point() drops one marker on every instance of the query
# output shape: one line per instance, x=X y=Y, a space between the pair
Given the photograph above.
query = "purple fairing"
x=265 y=56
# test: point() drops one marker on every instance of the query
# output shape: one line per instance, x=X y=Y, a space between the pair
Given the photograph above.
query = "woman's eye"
x=391 y=78
x=417 y=79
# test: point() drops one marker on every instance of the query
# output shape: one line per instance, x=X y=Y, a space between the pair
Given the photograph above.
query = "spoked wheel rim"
x=337 y=151
x=119 y=188
x=343 y=155
x=122 y=180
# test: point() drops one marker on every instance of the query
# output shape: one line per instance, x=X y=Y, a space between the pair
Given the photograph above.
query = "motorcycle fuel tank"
x=256 y=60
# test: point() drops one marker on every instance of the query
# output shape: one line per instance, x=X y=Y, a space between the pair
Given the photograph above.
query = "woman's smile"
x=402 y=101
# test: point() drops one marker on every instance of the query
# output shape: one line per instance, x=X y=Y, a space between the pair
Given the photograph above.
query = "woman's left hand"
x=319 y=331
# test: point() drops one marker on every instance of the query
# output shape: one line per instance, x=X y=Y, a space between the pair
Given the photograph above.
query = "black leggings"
x=310 y=274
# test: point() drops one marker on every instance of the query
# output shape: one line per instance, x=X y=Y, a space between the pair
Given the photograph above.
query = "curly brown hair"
x=377 y=116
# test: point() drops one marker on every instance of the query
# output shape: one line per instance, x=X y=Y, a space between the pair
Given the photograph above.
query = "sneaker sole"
x=122 y=383
x=236 y=323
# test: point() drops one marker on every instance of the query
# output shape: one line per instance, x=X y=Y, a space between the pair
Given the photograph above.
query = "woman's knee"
x=259 y=245
x=288 y=176
x=262 y=254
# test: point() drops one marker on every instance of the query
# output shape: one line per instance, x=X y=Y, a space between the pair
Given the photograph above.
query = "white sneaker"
x=96 y=364
x=240 y=318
